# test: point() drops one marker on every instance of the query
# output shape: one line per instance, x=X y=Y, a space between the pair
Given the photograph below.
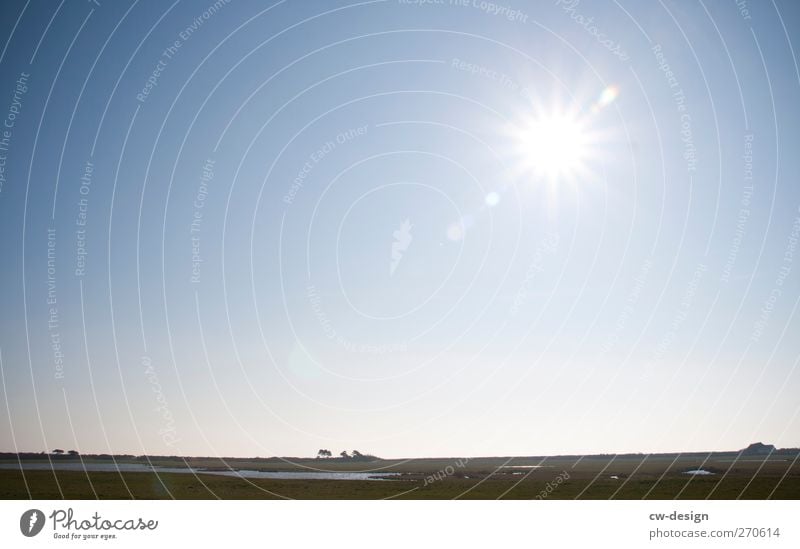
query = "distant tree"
x=58 y=451
x=73 y=452
x=344 y=454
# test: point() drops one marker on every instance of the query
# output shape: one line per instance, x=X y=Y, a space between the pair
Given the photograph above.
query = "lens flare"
x=607 y=96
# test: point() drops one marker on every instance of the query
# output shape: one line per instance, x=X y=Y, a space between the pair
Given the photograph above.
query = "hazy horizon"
x=388 y=458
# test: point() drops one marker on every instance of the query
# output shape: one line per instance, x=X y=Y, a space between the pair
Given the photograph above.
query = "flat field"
x=660 y=476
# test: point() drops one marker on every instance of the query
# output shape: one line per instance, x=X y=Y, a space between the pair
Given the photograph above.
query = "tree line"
x=356 y=455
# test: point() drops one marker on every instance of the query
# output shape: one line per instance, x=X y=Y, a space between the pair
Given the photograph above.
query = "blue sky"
x=410 y=228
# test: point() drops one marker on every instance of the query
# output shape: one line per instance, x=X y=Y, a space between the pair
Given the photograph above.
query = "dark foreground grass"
x=581 y=484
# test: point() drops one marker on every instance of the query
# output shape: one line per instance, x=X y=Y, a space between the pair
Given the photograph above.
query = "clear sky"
x=411 y=228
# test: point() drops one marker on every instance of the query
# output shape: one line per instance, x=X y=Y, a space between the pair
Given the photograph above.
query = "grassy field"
x=595 y=477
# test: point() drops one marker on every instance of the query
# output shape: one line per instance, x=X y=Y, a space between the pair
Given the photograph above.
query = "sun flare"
x=553 y=146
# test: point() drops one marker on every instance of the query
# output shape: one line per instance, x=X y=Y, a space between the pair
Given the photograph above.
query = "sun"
x=553 y=146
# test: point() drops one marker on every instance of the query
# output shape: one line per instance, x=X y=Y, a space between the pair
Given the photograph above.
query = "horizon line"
x=80 y=454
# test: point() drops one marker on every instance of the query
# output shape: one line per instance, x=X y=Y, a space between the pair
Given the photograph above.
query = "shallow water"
x=307 y=475
x=244 y=473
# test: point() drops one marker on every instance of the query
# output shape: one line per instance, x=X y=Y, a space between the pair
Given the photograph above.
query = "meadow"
x=566 y=477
